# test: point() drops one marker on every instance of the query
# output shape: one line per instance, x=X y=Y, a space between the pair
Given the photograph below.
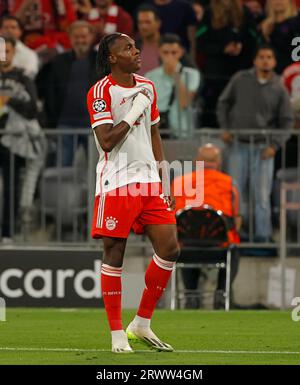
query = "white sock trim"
x=142 y=322
x=111 y=271
x=166 y=265
x=117 y=335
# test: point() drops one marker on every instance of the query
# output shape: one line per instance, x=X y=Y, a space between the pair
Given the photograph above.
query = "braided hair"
x=103 y=65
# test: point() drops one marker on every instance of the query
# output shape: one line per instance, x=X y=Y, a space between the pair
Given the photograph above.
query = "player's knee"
x=113 y=255
x=171 y=251
x=113 y=260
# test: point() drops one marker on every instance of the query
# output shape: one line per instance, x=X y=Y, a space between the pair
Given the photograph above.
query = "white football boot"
x=136 y=332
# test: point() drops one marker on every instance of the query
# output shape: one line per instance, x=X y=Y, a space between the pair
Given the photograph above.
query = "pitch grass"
x=238 y=331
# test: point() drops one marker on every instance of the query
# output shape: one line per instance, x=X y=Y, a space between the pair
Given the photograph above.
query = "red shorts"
x=131 y=206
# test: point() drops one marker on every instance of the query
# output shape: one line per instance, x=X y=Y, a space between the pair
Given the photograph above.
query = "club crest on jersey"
x=99 y=105
x=111 y=223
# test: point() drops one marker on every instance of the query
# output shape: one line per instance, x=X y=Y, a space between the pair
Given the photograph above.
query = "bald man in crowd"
x=220 y=193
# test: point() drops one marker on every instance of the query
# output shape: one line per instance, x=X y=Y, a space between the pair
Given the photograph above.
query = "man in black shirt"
x=71 y=75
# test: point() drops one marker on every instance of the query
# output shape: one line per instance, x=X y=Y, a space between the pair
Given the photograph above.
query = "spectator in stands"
x=130 y=6
x=6 y=7
x=24 y=57
x=176 y=87
x=22 y=139
x=71 y=75
x=256 y=7
x=108 y=17
x=178 y=17
x=279 y=28
x=45 y=24
x=255 y=98
x=82 y=8
x=198 y=7
x=148 y=24
x=226 y=42
x=220 y=193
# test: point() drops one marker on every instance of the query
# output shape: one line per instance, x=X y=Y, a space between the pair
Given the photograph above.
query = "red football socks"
x=156 y=279
x=112 y=295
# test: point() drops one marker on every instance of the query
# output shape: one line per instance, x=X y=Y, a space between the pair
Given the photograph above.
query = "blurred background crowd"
x=221 y=64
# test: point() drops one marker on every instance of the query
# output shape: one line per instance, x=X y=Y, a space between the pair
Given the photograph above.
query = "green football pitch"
x=70 y=336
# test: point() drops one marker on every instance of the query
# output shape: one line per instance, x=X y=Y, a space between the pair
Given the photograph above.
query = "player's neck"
x=123 y=79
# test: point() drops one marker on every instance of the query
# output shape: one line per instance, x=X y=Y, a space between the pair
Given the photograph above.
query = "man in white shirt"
x=25 y=57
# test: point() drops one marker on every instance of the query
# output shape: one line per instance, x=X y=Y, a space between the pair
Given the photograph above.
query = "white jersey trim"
x=97 y=86
x=104 y=121
x=101 y=115
x=100 y=211
x=155 y=121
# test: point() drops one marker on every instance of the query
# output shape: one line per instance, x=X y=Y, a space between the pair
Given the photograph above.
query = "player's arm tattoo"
x=109 y=135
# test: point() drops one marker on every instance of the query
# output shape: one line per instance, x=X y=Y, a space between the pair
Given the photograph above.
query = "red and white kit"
x=127 y=174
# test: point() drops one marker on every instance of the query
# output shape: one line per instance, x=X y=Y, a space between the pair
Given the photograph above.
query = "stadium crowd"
x=202 y=55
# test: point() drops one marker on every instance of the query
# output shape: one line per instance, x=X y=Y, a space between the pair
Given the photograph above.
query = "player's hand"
x=142 y=99
x=140 y=103
x=268 y=152
x=170 y=200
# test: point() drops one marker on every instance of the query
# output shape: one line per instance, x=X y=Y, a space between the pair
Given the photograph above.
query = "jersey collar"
x=113 y=82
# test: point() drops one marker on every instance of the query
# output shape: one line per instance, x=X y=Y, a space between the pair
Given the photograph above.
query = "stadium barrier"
x=64 y=194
